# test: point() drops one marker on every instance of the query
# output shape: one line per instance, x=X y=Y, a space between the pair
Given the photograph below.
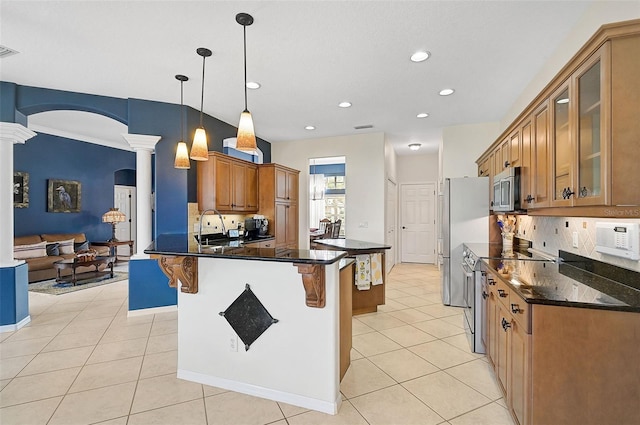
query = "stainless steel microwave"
x=506 y=190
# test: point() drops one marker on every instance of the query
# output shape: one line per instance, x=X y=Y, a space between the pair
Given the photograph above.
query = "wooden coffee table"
x=74 y=263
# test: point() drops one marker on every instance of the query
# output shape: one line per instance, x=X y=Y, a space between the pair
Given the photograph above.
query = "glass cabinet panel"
x=562 y=145
x=589 y=143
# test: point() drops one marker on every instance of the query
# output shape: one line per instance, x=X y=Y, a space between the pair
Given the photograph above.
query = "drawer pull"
x=502 y=293
x=505 y=325
x=485 y=295
x=516 y=309
x=491 y=282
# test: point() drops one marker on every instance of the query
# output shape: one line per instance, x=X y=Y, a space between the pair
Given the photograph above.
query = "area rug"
x=90 y=281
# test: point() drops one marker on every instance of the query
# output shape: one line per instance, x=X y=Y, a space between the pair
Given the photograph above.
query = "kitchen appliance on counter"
x=464 y=217
x=255 y=228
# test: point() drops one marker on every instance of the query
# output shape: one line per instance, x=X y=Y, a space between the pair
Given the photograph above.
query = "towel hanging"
x=363 y=272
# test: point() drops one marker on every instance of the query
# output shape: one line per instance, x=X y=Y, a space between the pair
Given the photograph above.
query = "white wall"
x=599 y=13
x=365 y=175
x=462 y=145
x=418 y=168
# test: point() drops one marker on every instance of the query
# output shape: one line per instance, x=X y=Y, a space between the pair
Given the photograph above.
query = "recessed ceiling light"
x=344 y=104
x=422 y=115
x=563 y=100
x=414 y=146
x=420 y=56
x=309 y=127
x=253 y=85
x=446 y=92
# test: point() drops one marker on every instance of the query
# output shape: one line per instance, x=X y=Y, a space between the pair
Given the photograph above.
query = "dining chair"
x=335 y=229
x=323 y=225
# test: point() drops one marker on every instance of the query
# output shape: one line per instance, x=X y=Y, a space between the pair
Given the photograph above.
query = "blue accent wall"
x=45 y=157
x=14 y=296
x=125 y=177
x=148 y=286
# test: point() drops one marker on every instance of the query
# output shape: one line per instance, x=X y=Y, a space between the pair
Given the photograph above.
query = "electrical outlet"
x=196 y=227
x=364 y=224
x=576 y=242
x=233 y=342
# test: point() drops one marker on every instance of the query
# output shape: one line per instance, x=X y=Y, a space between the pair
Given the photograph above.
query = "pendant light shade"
x=246 y=140
x=182 y=154
x=199 y=147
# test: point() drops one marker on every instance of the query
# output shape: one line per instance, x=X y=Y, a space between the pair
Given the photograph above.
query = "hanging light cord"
x=202 y=91
x=181 y=109
x=244 y=27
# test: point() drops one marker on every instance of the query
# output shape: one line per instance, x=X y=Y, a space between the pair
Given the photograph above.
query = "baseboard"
x=294 y=399
x=16 y=326
x=154 y=310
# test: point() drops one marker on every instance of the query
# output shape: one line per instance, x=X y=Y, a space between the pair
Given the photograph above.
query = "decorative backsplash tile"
x=551 y=234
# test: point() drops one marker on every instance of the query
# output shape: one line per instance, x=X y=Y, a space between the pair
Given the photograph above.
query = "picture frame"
x=20 y=190
x=64 y=196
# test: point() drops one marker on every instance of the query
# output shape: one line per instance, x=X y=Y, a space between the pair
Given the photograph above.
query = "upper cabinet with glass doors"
x=580 y=138
x=586 y=128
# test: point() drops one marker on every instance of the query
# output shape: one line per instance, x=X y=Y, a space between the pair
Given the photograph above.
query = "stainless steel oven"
x=474 y=309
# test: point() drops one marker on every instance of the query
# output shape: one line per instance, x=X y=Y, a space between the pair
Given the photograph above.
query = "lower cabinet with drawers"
x=562 y=364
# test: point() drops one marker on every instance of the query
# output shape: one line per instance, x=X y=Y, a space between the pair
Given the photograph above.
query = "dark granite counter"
x=564 y=284
x=185 y=245
x=351 y=244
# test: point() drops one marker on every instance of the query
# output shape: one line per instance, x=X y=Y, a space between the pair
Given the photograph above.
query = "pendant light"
x=246 y=139
x=199 y=148
x=182 y=154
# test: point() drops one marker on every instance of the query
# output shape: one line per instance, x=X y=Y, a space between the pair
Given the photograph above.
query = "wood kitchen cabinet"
x=581 y=144
x=229 y=185
x=278 y=199
x=558 y=364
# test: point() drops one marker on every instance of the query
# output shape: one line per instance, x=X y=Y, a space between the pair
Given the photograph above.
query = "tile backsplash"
x=551 y=234
x=212 y=222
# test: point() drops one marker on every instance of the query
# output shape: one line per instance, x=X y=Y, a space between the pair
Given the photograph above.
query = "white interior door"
x=391 y=220
x=124 y=198
x=417 y=211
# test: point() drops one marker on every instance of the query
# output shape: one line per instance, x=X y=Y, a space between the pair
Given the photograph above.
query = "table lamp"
x=113 y=216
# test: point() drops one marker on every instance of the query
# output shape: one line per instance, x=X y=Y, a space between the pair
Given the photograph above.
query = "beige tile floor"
x=82 y=361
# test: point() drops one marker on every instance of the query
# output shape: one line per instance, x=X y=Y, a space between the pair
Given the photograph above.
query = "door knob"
x=403 y=227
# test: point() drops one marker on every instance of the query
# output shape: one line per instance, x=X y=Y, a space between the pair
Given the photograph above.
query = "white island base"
x=295 y=361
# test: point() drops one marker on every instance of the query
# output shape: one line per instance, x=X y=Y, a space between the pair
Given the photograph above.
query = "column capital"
x=142 y=142
x=15 y=133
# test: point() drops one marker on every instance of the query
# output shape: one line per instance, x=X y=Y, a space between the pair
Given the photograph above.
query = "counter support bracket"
x=314 y=284
x=184 y=269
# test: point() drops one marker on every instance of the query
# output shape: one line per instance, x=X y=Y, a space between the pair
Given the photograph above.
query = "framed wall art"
x=64 y=196
x=20 y=190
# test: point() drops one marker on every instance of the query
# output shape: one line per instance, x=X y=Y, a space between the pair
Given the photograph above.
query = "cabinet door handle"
x=530 y=199
x=491 y=282
x=515 y=308
x=567 y=193
x=505 y=325
x=506 y=164
x=584 y=192
x=485 y=295
x=503 y=293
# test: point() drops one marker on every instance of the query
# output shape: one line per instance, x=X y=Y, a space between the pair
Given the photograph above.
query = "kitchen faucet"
x=224 y=231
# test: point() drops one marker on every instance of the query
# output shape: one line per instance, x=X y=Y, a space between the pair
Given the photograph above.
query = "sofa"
x=41 y=251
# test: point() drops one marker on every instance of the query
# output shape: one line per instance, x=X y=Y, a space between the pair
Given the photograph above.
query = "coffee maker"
x=256 y=228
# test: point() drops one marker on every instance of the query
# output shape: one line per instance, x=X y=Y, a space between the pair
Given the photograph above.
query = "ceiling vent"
x=5 y=51
x=363 y=127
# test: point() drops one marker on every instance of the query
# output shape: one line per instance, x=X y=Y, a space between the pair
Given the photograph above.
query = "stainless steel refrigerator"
x=464 y=217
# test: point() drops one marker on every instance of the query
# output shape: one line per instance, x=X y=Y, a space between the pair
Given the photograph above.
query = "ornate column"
x=143 y=145
x=10 y=134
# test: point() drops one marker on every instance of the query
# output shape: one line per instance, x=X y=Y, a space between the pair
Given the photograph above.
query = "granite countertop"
x=562 y=284
x=351 y=244
x=186 y=245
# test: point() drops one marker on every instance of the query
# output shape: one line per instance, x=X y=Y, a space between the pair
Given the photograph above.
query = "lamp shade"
x=182 y=156
x=199 y=148
x=113 y=216
x=246 y=140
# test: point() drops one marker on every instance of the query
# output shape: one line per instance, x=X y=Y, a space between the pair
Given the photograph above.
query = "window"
x=335 y=183
x=334 y=210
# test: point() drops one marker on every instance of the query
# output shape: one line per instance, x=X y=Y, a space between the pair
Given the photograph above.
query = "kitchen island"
x=259 y=321
x=363 y=300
